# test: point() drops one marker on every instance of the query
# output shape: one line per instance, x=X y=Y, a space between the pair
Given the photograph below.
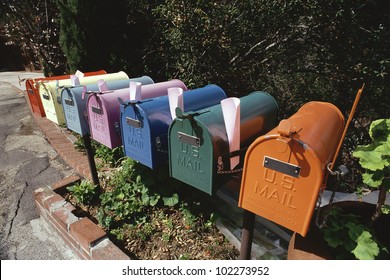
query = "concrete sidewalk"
x=27 y=162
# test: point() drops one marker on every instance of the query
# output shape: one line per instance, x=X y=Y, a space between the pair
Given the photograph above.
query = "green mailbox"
x=199 y=151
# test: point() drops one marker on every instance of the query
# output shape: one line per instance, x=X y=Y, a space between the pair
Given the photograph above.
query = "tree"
x=32 y=26
x=94 y=34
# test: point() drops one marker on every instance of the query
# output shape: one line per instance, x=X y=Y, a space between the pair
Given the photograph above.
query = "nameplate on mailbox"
x=69 y=102
x=133 y=122
x=282 y=167
x=189 y=139
x=96 y=110
x=46 y=96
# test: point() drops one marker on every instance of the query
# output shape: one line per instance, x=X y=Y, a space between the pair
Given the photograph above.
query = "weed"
x=189 y=219
x=110 y=157
x=84 y=192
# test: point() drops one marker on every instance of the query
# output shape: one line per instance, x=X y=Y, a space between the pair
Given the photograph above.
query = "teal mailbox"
x=199 y=145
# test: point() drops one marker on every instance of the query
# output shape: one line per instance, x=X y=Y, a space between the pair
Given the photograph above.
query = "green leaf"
x=370 y=157
x=145 y=198
x=332 y=237
x=385 y=209
x=367 y=248
x=374 y=179
x=380 y=130
x=154 y=200
x=171 y=201
x=120 y=196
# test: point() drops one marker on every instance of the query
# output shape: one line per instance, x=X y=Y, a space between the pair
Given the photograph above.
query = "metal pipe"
x=91 y=161
x=247 y=235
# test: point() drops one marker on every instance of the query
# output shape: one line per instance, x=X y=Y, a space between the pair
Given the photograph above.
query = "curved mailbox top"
x=196 y=164
x=53 y=86
x=153 y=117
x=284 y=169
x=50 y=93
x=147 y=92
x=74 y=104
x=104 y=110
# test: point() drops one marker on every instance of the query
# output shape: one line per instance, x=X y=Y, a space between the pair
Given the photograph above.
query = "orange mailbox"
x=285 y=168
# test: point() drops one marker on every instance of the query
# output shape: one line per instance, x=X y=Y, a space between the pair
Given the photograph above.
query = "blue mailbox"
x=75 y=106
x=145 y=123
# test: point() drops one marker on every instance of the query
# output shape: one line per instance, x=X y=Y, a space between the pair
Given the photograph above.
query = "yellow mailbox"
x=285 y=168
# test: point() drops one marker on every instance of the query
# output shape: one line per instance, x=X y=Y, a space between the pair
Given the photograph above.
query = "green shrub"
x=84 y=192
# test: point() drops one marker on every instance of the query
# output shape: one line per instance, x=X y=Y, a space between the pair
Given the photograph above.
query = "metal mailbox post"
x=50 y=93
x=32 y=88
x=75 y=106
x=145 y=124
x=198 y=140
x=284 y=169
x=104 y=110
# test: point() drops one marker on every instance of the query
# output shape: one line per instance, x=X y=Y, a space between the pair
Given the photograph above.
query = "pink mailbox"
x=104 y=109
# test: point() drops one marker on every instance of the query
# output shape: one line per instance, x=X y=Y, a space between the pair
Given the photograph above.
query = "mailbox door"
x=48 y=101
x=98 y=120
x=281 y=181
x=71 y=104
x=33 y=96
x=191 y=152
x=136 y=134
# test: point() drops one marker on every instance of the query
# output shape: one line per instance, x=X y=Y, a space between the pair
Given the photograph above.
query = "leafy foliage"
x=84 y=192
x=110 y=157
x=350 y=238
x=375 y=157
x=134 y=189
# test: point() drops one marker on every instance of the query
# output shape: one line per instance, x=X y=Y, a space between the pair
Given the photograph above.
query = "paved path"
x=27 y=161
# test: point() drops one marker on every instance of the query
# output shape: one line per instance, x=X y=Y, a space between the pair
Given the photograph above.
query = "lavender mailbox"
x=75 y=104
x=104 y=109
x=145 y=123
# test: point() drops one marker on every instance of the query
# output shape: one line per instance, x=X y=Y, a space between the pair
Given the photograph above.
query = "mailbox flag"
x=135 y=91
x=175 y=97
x=231 y=115
x=74 y=80
x=102 y=85
x=79 y=74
